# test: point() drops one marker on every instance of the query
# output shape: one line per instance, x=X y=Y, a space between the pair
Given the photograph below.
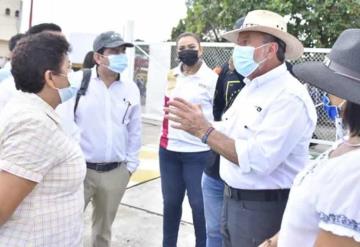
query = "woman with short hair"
x=41 y=169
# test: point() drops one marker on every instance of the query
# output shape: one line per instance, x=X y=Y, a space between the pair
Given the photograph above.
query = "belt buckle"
x=99 y=166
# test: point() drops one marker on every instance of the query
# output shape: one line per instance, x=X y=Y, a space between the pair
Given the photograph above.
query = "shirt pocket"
x=122 y=112
x=251 y=118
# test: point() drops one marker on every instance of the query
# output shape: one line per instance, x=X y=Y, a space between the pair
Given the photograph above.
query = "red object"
x=165 y=131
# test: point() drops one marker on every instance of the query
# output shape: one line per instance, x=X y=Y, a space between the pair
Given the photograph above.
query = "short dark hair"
x=89 y=60
x=188 y=34
x=33 y=56
x=44 y=27
x=101 y=51
x=14 y=39
x=351 y=118
x=280 y=54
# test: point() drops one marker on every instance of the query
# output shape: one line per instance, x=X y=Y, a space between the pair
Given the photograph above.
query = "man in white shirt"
x=109 y=119
x=263 y=137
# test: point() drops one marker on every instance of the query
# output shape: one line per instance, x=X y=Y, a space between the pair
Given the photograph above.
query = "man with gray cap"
x=263 y=137
x=109 y=118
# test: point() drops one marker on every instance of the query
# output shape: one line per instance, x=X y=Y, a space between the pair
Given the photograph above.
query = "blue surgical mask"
x=67 y=93
x=117 y=63
x=332 y=111
x=243 y=57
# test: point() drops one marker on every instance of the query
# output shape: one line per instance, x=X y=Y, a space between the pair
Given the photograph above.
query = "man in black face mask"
x=182 y=156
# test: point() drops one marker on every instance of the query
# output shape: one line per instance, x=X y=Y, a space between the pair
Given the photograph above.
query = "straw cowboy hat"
x=339 y=73
x=271 y=23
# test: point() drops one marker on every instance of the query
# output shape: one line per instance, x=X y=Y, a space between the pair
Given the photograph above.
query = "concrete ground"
x=139 y=219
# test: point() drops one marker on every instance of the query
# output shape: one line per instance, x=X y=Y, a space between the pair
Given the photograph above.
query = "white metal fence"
x=216 y=54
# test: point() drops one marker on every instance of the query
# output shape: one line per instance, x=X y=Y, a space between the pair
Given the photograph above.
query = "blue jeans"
x=213 y=194
x=182 y=172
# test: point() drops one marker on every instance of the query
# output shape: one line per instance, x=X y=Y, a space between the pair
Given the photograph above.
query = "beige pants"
x=106 y=190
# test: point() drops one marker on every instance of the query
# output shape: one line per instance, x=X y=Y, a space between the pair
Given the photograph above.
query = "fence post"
x=129 y=37
x=159 y=65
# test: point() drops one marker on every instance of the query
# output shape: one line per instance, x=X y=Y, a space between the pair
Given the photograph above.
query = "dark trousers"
x=182 y=172
x=249 y=223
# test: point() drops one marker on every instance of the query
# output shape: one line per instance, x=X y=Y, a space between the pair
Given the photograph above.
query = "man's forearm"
x=223 y=145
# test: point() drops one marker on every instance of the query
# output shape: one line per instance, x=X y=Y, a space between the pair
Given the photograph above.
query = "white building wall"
x=9 y=23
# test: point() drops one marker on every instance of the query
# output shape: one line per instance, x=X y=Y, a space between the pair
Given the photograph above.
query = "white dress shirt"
x=325 y=195
x=5 y=72
x=198 y=88
x=271 y=120
x=109 y=120
x=34 y=147
x=7 y=91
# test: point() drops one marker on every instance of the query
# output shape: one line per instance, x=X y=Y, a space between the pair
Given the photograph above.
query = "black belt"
x=256 y=195
x=103 y=167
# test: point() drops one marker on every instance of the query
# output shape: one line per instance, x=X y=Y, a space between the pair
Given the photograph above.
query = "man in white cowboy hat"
x=264 y=136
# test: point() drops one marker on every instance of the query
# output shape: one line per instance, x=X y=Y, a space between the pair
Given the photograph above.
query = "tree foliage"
x=317 y=23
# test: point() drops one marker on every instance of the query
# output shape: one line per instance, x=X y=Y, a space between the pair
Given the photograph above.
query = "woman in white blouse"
x=324 y=203
x=183 y=156
x=41 y=169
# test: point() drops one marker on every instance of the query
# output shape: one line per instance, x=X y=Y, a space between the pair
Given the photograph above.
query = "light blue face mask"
x=243 y=57
x=117 y=63
x=67 y=93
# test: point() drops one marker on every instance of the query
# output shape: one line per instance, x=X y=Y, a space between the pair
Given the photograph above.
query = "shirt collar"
x=95 y=75
x=39 y=103
x=269 y=76
x=202 y=70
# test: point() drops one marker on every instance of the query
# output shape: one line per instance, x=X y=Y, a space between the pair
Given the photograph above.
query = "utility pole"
x=31 y=12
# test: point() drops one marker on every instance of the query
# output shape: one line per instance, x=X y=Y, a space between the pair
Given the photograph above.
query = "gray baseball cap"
x=109 y=39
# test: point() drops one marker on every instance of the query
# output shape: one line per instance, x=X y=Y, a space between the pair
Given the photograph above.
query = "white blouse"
x=325 y=195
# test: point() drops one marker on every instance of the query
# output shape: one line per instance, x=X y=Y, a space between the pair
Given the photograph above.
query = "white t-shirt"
x=325 y=195
x=197 y=89
x=7 y=91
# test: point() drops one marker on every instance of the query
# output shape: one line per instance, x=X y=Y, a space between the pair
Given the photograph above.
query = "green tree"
x=317 y=23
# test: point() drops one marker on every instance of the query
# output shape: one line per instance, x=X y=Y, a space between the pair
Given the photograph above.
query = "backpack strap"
x=83 y=88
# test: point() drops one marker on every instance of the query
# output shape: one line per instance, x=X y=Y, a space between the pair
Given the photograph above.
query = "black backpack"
x=83 y=88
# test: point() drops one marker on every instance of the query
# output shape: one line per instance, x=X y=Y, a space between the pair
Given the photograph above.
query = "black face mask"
x=188 y=57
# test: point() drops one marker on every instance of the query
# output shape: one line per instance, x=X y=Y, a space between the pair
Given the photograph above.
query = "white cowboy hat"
x=271 y=23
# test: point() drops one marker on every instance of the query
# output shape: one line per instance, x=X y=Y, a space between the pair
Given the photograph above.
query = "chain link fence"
x=141 y=66
x=216 y=54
